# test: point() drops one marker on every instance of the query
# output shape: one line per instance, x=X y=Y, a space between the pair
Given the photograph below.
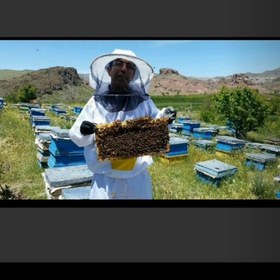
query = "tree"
x=27 y=93
x=243 y=107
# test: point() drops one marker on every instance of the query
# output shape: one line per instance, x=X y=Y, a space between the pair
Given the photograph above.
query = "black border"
x=157 y=203
x=140 y=231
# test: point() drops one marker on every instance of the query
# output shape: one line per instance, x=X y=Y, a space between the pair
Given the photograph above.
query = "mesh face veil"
x=100 y=79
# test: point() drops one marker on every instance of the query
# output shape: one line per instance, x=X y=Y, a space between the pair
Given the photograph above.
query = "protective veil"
x=104 y=106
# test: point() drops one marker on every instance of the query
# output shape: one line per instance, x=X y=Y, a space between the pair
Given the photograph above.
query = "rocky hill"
x=172 y=83
x=167 y=82
x=45 y=80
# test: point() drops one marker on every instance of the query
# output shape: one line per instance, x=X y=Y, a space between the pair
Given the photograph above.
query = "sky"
x=195 y=58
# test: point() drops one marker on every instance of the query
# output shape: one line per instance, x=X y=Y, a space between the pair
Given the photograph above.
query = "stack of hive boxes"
x=58 y=178
x=63 y=151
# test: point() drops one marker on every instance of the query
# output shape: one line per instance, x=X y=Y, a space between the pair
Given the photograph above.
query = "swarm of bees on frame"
x=132 y=138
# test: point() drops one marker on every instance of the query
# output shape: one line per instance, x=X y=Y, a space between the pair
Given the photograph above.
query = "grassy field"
x=176 y=180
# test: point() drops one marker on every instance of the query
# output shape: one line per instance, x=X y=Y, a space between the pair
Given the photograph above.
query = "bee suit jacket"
x=103 y=107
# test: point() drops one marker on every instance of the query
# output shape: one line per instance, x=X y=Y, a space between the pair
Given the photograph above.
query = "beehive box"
x=61 y=143
x=40 y=120
x=176 y=127
x=259 y=160
x=204 y=144
x=76 y=193
x=203 y=133
x=271 y=149
x=132 y=138
x=214 y=171
x=178 y=150
x=59 y=178
x=177 y=146
x=66 y=160
x=182 y=119
x=188 y=126
x=37 y=112
x=229 y=144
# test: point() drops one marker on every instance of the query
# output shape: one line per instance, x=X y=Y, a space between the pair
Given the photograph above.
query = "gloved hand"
x=170 y=113
x=87 y=128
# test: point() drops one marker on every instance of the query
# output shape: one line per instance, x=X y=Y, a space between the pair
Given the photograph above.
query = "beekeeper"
x=121 y=81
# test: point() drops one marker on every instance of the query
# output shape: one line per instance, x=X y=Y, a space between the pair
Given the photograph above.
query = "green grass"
x=178 y=180
x=19 y=167
x=185 y=103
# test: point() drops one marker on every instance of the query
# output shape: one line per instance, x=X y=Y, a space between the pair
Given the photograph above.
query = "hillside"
x=172 y=83
x=68 y=84
x=10 y=74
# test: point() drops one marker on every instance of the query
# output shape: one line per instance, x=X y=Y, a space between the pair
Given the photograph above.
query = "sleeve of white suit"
x=75 y=134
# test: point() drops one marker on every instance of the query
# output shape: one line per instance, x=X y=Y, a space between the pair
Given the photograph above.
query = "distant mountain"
x=270 y=74
x=66 y=80
x=45 y=80
x=171 y=83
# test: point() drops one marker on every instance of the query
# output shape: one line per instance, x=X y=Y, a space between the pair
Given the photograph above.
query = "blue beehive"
x=188 y=127
x=214 y=171
x=182 y=119
x=2 y=103
x=65 y=160
x=259 y=160
x=59 y=111
x=76 y=193
x=77 y=110
x=229 y=144
x=178 y=146
x=64 y=152
x=62 y=144
x=40 y=120
x=37 y=112
x=176 y=127
x=204 y=144
x=203 y=133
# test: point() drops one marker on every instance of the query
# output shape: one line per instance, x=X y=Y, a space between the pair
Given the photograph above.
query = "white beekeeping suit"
x=130 y=178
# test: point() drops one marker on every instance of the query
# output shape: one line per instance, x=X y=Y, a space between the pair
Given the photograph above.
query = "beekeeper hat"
x=99 y=75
